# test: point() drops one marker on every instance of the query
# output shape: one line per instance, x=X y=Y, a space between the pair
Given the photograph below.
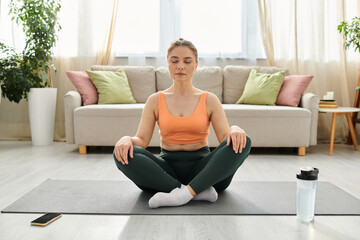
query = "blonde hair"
x=183 y=43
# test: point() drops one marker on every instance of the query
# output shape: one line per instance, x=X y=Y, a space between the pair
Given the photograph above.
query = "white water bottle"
x=306 y=192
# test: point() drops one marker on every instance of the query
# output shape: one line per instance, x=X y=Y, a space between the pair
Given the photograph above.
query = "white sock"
x=208 y=194
x=177 y=197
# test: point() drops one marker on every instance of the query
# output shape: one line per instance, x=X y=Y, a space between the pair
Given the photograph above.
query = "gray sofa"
x=268 y=126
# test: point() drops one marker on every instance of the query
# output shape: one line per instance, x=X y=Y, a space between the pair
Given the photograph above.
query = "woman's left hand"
x=238 y=138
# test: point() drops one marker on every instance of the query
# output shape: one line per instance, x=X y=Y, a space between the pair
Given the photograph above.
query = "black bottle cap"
x=308 y=173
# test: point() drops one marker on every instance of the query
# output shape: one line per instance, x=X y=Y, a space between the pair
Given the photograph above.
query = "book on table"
x=325 y=103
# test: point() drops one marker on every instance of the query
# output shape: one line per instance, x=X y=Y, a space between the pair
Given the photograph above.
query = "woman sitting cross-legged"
x=185 y=169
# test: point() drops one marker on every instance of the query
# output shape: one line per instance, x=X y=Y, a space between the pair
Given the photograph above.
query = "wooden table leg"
x=351 y=128
x=354 y=120
x=332 y=136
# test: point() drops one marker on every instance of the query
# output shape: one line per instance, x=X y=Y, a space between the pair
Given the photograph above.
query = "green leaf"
x=357 y=88
x=351 y=33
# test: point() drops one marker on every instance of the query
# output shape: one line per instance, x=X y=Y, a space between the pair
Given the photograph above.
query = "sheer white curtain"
x=305 y=39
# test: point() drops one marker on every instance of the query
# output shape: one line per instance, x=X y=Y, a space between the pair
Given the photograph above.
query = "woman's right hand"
x=123 y=148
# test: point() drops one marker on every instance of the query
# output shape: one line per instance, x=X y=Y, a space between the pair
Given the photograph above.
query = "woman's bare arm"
x=124 y=146
x=145 y=130
x=217 y=117
x=233 y=134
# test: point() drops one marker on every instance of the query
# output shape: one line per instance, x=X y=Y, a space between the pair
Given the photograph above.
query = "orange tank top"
x=183 y=130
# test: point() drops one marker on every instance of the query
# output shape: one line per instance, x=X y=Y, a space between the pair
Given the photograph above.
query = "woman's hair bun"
x=185 y=43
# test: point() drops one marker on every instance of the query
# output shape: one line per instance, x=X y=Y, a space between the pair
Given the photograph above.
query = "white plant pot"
x=42 y=106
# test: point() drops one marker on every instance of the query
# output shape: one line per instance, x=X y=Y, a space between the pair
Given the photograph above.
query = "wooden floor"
x=23 y=167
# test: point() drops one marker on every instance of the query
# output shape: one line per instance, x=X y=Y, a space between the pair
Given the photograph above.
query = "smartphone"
x=46 y=219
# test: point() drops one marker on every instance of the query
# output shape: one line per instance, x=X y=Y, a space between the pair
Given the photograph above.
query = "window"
x=212 y=24
x=226 y=28
x=138 y=27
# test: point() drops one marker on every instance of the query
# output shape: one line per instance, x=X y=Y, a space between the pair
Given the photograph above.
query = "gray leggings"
x=200 y=169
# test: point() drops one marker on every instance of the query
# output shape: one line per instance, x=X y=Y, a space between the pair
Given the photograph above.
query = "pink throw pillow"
x=292 y=89
x=84 y=86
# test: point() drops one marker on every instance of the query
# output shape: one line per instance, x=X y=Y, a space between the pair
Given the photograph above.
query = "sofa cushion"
x=264 y=111
x=84 y=86
x=113 y=87
x=292 y=89
x=271 y=126
x=105 y=124
x=205 y=78
x=262 y=88
x=141 y=79
x=110 y=110
x=235 y=78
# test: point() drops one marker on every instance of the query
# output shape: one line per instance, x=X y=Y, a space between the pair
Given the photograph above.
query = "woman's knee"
x=117 y=162
x=137 y=151
x=246 y=148
x=248 y=143
x=244 y=152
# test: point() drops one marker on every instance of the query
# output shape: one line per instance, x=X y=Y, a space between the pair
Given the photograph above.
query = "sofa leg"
x=301 y=151
x=82 y=149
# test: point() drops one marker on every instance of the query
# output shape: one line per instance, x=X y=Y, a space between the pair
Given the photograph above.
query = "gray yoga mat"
x=124 y=198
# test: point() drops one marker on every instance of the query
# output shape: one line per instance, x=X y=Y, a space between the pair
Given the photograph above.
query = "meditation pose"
x=185 y=169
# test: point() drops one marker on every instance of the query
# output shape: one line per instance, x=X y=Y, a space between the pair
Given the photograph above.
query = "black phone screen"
x=46 y=218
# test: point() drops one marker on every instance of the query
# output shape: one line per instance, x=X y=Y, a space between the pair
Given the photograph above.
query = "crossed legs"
x=212 y=172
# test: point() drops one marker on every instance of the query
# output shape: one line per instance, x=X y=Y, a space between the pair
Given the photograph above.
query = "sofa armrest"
x=311 y=101
x=72 y=100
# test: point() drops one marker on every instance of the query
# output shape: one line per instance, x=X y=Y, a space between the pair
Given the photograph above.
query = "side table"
x=337 y=112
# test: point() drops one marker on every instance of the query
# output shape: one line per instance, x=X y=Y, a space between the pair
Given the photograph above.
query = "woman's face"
x=182 y=63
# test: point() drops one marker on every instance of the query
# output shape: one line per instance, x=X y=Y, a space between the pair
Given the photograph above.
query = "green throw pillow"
x=112 y=87
x=262 y=88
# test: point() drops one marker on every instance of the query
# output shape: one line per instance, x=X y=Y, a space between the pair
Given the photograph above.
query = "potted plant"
x=28 y=74
x=13 y=81
x=351 y=34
